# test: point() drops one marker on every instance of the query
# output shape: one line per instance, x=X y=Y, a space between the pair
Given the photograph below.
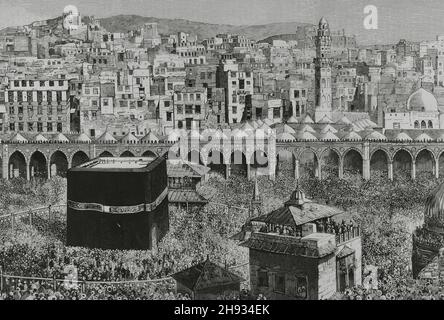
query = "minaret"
x=323 y=64
x=256 y=202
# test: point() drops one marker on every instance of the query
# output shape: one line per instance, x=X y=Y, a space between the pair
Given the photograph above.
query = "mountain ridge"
x=124 y=23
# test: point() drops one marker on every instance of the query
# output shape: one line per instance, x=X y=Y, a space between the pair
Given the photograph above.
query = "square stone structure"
x=118 y=203
x=302 y=251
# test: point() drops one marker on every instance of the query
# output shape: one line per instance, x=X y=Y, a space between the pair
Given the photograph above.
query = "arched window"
x=430 y=124
x=423 y=125
x=416 y=125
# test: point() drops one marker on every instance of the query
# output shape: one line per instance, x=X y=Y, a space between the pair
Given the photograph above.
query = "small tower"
x=323 y=65
x=256 y=202
x=297 y=198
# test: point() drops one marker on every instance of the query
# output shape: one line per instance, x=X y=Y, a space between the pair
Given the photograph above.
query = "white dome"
x=422 y=101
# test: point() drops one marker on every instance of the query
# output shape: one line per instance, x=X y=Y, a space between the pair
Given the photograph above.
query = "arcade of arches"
x=298 y=162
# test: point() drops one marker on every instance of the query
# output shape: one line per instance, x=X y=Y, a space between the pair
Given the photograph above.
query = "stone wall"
x=290 y=265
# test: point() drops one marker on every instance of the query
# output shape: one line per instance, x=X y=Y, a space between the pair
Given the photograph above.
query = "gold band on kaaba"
x=144 y=207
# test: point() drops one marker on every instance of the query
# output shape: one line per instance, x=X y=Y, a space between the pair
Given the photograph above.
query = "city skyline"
x=397 y=19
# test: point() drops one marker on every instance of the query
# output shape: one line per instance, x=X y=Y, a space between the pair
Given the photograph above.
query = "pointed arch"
x=17 y=165
x=79 y=158
x=58 y=164
x=38 y=166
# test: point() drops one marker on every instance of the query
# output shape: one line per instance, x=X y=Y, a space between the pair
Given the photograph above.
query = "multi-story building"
x=37 y=105
x=190 y=107
x=238 y=85
x=302 y=251
x=201 y=76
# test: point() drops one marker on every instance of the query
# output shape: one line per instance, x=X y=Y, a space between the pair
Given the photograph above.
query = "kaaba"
x=118 y=203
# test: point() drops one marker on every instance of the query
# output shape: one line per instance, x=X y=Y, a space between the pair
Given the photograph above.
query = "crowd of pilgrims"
x=326 y=225
x=429 y=238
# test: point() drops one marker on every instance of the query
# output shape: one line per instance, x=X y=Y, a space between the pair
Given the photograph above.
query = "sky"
x=410 y=19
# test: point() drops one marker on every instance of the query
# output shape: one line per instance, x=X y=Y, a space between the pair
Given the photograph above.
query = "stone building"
x=190 y=107
x=301 y=251
x=37 y=104
x=238 y=85
x=183 y=179
x=421 y=112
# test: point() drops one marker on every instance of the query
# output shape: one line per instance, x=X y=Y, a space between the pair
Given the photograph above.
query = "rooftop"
x=117 y=163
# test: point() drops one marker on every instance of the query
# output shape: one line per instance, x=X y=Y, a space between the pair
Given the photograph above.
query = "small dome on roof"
x=422 y=101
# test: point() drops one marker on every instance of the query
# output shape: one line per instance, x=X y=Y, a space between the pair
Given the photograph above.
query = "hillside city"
x=302 y=166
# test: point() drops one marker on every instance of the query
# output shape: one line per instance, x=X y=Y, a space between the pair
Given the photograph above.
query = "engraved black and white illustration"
x=221 y=150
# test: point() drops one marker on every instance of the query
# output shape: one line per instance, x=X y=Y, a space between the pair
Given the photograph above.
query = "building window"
x=279 y=280
x=30 y=126
x=59 y=127
x=20 y=126
x=96 y=91
x=51 y=83
x=179 y=97
x=262 y=278
x=39 y=110
x=49 y=127
x=39 y=127
x=168 y=116
x=423 y=125
x=234 y=110
x=59 y=108
x=105 y=103
x=180 y=124
x=202 y=75
x=430 y=124
x=197 y=109
x=12 y=126
x=179 y=109
x=188 y=109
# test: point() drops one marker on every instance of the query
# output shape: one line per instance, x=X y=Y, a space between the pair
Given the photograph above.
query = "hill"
x=284 y=37
x=125 y=23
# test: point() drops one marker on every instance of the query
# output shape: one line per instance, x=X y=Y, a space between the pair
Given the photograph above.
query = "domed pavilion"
x=429 y=238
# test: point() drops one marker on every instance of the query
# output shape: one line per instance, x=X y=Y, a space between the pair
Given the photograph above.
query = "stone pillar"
x=341 y=168
x=366 y=169
x=248 y=171
x=414 y=170
x=390 y=170
x=28 y=177
x=319 y=169
x=296 y=169
x=227 y=171
x=437 y=168
x=92 y=151
x=366 y=161
x=5 y=162
x=49 y=170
